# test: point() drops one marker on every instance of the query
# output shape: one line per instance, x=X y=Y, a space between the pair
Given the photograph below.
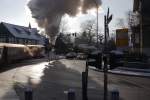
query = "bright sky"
x=15 y=12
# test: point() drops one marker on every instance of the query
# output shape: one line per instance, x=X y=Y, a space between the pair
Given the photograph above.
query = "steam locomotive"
x=13 y=52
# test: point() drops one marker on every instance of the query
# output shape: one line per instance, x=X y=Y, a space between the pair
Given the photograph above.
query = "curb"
x=125 y=72
x=135 y=69
x=130 y=73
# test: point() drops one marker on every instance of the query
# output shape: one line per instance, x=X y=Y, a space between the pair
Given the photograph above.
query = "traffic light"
x=95 y=59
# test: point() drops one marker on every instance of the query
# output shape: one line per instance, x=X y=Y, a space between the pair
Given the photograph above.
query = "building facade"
x=16 y=34
x=141 y=31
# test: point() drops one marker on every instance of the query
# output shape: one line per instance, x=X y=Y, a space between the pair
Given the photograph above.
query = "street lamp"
x=97 y=26
x=107 y=20
x=97 y=21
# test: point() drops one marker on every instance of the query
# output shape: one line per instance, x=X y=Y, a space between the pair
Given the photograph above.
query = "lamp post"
x=141 y=29
x=97 y=28
x=107 y=20
x=97 y=22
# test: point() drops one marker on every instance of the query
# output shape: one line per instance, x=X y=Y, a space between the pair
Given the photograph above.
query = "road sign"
x=122 y=39
x=109 y=19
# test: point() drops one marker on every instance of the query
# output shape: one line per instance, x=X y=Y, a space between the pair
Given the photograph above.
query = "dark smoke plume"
x=48 y=13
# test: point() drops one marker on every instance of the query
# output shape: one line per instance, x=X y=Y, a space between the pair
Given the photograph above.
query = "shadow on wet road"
x=57 y=80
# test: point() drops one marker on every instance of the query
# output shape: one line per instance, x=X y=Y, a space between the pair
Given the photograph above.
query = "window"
x=11 y=40
x=15 y=40
x=18 y=31
x=2 y=40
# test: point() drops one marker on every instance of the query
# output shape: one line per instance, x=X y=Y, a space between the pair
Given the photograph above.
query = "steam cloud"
x=48 y=13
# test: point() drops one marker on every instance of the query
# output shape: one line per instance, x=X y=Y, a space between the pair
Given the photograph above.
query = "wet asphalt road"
x=130 y=87
x=51 y=82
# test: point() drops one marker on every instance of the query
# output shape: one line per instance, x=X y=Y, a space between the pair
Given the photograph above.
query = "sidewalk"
x=131 y=71
x=8 y=94
x=7 y=91
x=127 y=71
x=135 y=69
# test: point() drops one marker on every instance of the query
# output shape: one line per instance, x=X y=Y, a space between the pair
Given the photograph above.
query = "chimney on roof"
x=29 y=25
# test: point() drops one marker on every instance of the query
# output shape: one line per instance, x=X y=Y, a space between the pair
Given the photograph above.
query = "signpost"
x=107 y=20
x=122 y=39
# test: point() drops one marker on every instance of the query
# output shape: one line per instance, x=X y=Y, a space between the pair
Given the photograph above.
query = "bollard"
x=115 y=95
x=28 y=94
x=84 y=86
x=71 y=94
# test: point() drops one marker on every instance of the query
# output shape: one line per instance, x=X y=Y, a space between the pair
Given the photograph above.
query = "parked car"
x=116 y=59
x=61 y=57
x=81 y=56
x=71 y=55
x=95 y=59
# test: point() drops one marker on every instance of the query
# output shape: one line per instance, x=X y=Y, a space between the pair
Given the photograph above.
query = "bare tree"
x=89 y=29
x=121 y=23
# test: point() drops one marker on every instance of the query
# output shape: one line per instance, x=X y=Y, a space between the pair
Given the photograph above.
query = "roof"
x=22 y=32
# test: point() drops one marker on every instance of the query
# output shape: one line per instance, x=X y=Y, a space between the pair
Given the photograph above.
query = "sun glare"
x=80 y=11
x=94 y=11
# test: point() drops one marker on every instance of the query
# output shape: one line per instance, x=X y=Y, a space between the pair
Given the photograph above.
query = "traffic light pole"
x=105 y=79
x=97 y=30
x=85 y=82
x=105 y=62
x=107 y=20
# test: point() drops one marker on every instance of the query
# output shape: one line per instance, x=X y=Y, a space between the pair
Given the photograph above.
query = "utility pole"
x=141 y=29
x=105 y=62
x=97 y=7
x=107 y=20
x=97 y=26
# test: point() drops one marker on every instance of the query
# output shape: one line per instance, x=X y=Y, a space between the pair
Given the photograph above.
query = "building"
x=141 y=31
x=16 y=34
